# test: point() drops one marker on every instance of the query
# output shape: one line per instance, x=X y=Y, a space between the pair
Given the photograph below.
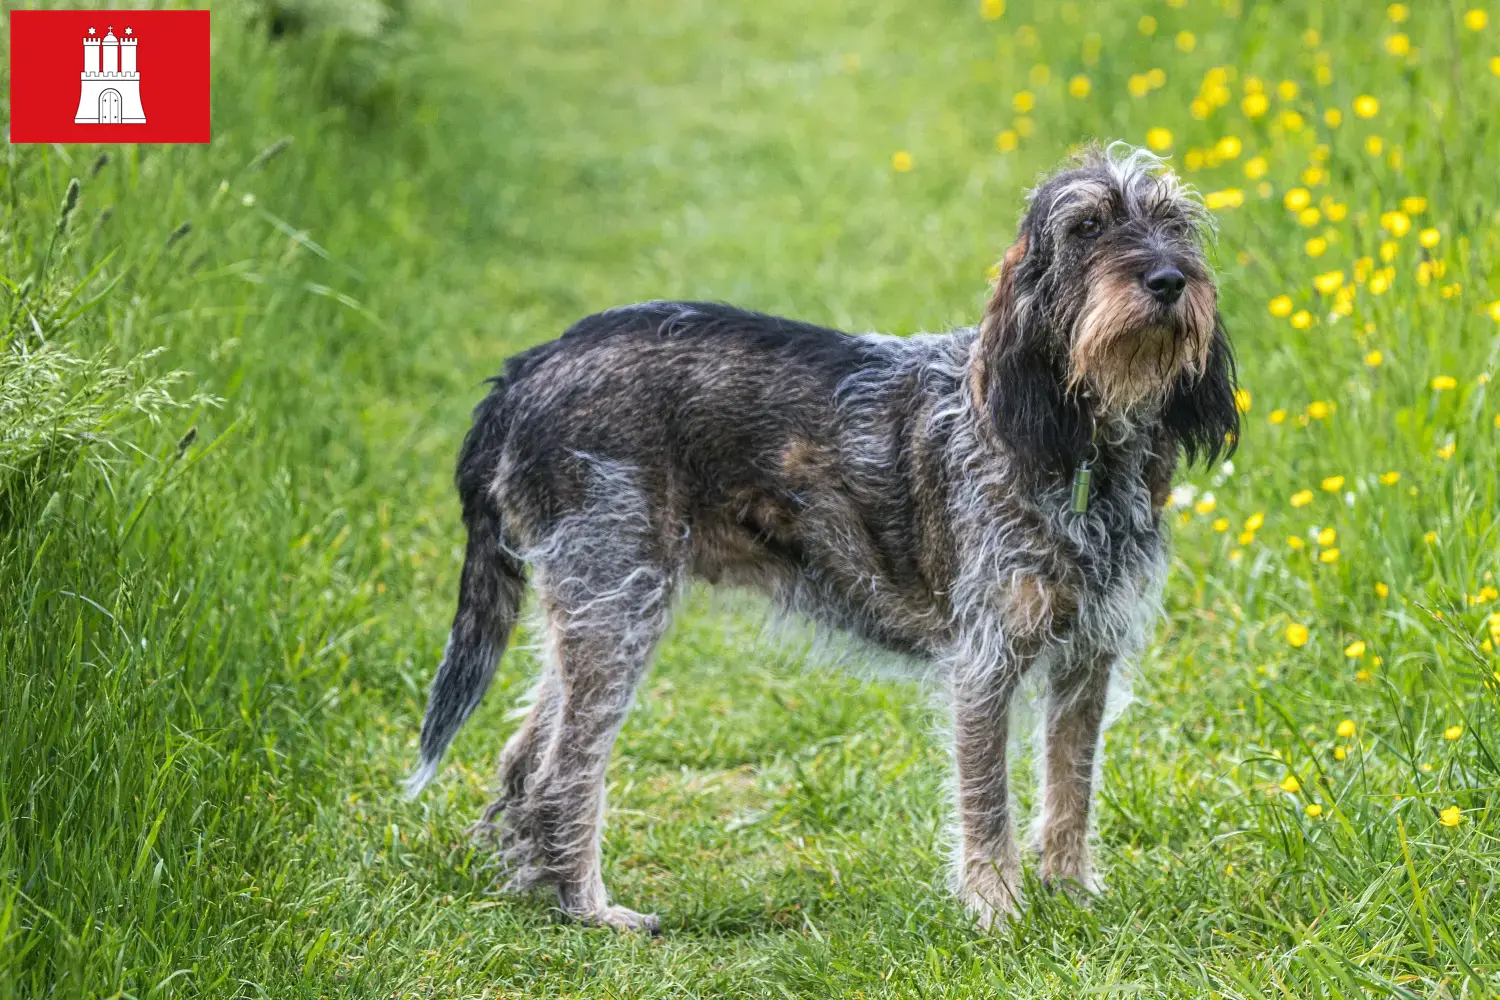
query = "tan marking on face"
x=1124 y=355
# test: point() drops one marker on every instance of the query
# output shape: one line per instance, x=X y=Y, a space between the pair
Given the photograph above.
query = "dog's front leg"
x=1076 y=695
x=988 y=867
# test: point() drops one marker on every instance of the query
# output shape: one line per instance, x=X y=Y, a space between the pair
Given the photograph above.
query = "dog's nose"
x=1165 y=284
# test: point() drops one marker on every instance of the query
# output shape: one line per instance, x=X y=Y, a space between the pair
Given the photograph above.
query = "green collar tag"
x=1082 y=479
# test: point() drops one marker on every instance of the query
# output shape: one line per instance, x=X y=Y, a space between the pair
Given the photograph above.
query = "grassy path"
x=198 y=765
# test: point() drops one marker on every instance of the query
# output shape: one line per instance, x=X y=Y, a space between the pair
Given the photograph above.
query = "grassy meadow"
x=234 y=377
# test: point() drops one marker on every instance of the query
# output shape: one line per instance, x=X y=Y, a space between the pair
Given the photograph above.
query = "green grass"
x=214 y=646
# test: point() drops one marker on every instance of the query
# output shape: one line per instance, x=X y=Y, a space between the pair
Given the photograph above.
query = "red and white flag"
x=109 y=76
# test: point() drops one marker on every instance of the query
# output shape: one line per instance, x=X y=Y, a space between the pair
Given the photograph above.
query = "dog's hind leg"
x=523 y=751
x=599 y=650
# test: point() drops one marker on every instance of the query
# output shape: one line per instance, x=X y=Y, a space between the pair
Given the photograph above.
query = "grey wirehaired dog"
x=987 y=500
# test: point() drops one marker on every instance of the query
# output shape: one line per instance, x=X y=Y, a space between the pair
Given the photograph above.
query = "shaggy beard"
x=1129 y=351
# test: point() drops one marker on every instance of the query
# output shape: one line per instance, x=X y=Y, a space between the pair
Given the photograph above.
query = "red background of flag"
x=46 y=61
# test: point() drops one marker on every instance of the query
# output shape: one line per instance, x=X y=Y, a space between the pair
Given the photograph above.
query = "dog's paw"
x=1081 y=889
x=1074 y=877
x=992 y=898
x=622 y=919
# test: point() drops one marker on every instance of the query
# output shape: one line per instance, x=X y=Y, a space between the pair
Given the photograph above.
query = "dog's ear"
x=1016 y=379
x=1201 y=413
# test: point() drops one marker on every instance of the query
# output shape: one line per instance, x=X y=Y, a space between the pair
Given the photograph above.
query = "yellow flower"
x=1333 y=117
x=1297 y=199
x=1476 y=19
x=1374 y=359
x=1281 y=306
x=1346 y=728
x=1255 y=105
x=1397 y=45
x=1446 y=451
x=1339 y=753
x=1327 y=536
x=1361 y=675
x=1242 y=400
x=1277 y=416
x=1451 y=816
x=1159 y=139
x=1221 y=524
x=1390 y=478
x=1295 y=543
x=1314 y=810
x=1080 y=86
x=1452 y=733
x=1309 y=217
x=1328 y=282
x=1246 y=537
x=1206 y=505
x=1146 y=25
x=1291 y=121
x=1227 y=198
x=1138 y=85
x=1442 y=382
x=1399 y=223
x=1366 y=106
x=1290 y=782
x=1354 y=651
x=1186 y=41
x=1254 y=521
x=992 y=10
x=1256 y=167
x=1429 y=237
x=1430 y=537
x=1301 y=498
x=1332 y=485
x=1311 y=38
x=901 y=161
x=1328 y=556
x=1396 y=12
x=1228 y=147
x=1318 y=409
x=1302 y=319
x=1414 y=205
x=1381 y=590
x=1024 y=101
x=1388 y=250
x=1006 y=141
x=1495 y=65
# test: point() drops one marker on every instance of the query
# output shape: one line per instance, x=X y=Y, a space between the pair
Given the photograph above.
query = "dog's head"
x=1106 y=308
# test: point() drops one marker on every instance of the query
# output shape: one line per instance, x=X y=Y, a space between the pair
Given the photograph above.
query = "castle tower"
x=111 y=85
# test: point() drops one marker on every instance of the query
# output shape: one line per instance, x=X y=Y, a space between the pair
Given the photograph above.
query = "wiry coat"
x=916 y=492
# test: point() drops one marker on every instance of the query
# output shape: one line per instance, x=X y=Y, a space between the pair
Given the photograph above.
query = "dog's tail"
x=489 y=595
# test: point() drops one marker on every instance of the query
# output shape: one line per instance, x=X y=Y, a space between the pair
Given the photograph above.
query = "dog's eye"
x=1090 y=226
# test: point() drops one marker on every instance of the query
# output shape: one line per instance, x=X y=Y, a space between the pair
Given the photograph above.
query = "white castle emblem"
x=111 y=84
